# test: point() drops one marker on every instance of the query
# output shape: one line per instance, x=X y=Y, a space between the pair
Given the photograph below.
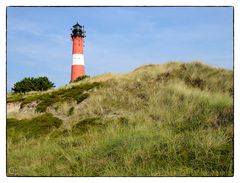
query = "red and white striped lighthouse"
x=78 y=35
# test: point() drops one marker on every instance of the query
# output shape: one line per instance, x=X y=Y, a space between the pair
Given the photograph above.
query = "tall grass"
x=159 y=120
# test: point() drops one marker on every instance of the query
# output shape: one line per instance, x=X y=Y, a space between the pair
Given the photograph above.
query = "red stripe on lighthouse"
x=76 y=69
x=77 y=45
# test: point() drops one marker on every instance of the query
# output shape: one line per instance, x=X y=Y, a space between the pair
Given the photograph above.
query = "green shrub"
x=80 y=78
x=32 y=128
x=32 y=84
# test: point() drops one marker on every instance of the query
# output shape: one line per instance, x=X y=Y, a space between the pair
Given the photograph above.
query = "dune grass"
x=159 y=120
x=33 y=128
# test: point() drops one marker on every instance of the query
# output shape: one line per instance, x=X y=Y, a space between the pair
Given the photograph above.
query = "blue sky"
x=119 y=39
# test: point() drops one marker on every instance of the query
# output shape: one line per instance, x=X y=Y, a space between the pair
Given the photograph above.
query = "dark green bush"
x=80 y=78
x=32 y=84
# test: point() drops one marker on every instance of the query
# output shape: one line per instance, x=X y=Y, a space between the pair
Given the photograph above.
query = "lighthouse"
x=77 y=35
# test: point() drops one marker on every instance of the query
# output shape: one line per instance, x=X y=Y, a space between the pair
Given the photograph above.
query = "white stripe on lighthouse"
x=78 y=59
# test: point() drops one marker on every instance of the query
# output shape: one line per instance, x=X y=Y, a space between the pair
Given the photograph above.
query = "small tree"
x=32 y=84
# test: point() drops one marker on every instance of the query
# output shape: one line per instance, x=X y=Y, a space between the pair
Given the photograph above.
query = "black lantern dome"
x=78 y=30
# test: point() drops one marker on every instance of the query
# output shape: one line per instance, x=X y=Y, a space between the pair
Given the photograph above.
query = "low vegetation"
x=159 y=120
x=80 y=78
x=77 y=93
x=32 y=128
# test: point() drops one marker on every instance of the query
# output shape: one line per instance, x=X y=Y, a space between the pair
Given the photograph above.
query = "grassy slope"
x=159 y=120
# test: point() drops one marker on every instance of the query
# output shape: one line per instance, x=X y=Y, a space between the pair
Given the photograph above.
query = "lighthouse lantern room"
x=77 y=35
